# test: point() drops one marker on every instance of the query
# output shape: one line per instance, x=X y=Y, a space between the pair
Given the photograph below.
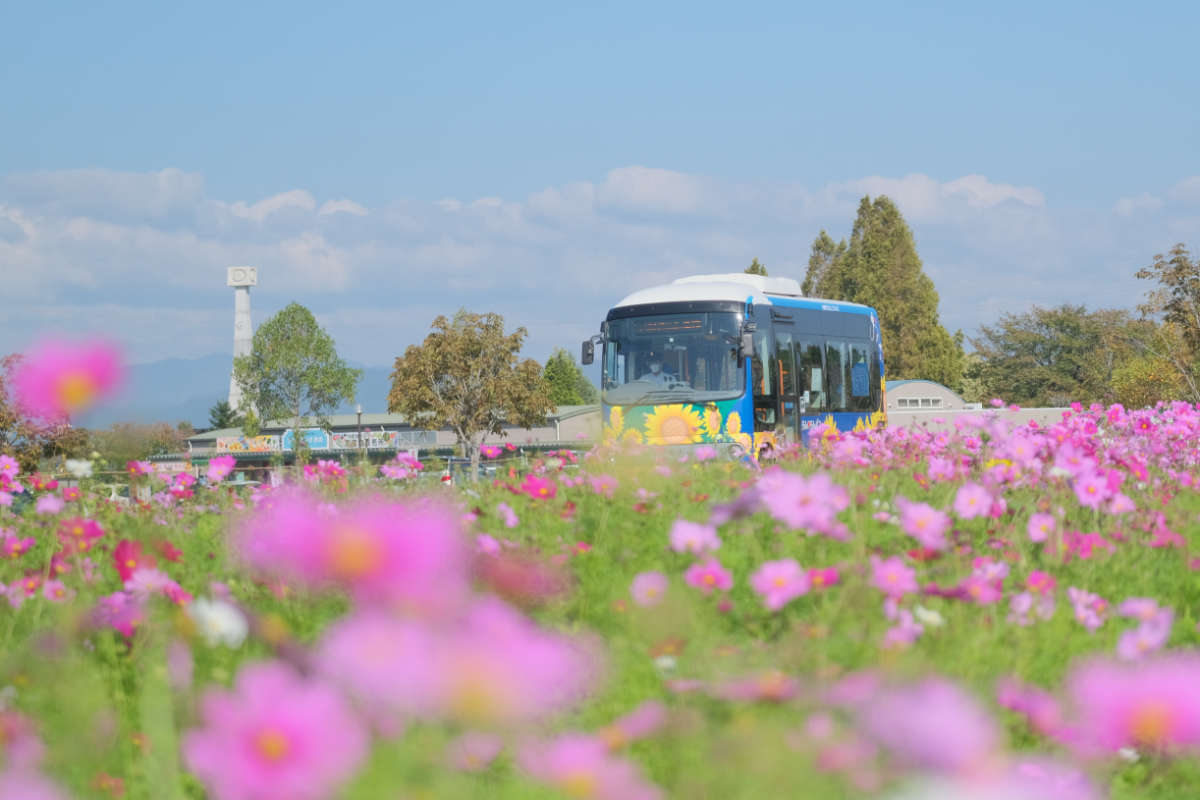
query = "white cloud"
x=126 y=247
x=342 y=206
x=657 y=191
x=297 y=198
x=1138 y=203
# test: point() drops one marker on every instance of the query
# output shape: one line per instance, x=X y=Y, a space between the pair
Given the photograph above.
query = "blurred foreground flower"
x=57 y=379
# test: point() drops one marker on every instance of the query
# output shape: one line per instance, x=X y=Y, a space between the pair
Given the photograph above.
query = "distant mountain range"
x=178 y=389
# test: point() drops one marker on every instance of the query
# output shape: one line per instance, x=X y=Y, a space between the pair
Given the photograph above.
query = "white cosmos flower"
x=219 y=622
x=79 y=468
x=928 y=617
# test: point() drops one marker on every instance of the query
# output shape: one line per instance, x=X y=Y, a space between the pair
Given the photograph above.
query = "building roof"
x=350 y=422
x=897 y=384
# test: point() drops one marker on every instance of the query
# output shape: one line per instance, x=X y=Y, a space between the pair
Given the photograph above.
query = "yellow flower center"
x=709 y=579
x=353 y=552
x=578 y=783
x=131 y=563
x=272 y=745
x=75 y=390
x=1150 y=724
x=779 y=583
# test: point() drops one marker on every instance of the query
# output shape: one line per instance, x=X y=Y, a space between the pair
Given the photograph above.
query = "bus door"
x=810 y=375
x=789 y=396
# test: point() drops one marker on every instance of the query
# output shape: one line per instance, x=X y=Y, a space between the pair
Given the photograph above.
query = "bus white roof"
x=732 y=286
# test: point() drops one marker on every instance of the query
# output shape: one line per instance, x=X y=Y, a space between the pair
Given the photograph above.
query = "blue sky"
x=384 y=163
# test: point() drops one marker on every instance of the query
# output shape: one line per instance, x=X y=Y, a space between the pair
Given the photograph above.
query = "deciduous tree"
x=293 y=371
x=568 y=385
x=1176 y=304
x=467 y=377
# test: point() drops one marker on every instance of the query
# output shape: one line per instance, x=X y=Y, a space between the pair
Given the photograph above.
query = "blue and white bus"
x=737 y=361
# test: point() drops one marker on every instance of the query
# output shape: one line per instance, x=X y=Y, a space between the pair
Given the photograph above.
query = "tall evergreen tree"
x=756 y=268
x=880 y=268
x=822 y=280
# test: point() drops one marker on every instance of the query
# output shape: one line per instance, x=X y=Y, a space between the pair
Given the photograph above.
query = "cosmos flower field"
x=988 y=612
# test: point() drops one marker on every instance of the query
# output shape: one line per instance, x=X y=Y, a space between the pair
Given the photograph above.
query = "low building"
x=922 y=395
x=380 y=436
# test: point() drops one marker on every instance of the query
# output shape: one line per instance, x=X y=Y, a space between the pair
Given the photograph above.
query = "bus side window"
x=836 y=374
x=810 y=368
x=860 y=377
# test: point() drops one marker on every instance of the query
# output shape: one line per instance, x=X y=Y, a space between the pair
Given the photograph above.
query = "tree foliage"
x=756 y=268
x=125 y=442
x=1053 y=356
x=467 y=377
x=222 y=415
x=293 y=371
x=568 y=385
x=31 y=441
x=1175 y=303
x=880 y=268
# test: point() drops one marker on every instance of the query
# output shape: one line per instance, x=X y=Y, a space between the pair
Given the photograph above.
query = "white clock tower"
x=241 y=279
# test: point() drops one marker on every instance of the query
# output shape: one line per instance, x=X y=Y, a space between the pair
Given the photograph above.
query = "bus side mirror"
x=589 y=352
x=746 y=350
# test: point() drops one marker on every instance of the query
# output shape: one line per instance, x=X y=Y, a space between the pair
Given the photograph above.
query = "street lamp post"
x=361 y=449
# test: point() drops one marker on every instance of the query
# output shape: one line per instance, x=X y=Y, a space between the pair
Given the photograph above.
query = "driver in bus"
x=656 y=374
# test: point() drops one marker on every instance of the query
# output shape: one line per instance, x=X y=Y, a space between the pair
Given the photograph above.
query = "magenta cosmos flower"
x=539 y=488
x=410 y=556
x=708 y=575
x=581 y=766
x=58 y=379
x=276 y=736
x=648 y=588
x=779 y=582
x=220 y=467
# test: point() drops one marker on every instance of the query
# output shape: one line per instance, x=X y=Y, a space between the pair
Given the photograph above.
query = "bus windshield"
x=673 y=358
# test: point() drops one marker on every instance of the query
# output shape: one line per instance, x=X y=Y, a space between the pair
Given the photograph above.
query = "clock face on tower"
x=241 y=276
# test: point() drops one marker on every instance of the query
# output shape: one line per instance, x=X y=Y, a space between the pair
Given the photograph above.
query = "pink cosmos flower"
x=1090 y=609
x=220 y=467
x=931 y=725
x=1148 y=637
x=1091 y=489
x=639 y=723
x=906 y=630
x=582 y=766
x=56 y=591
x=604 y=485
x=779 y=582
x=49 y=504
x=490 y=450
x=18 y=783
x=972 y=500
x=1149 y=705
x=648 y=588
x=693 y=537
x=120 y=611
x=128 y=557
x=823 y=577
x=10 y=468
x=58 y=379
x=1041 y=526
x=276 y=736
x=1038 y=706
x=409 y=555
x=1042 y=583
x=539 y=488
x=1139 y=608
x=508 y=516
x=924 y=523
x=893 y=577
x=708 y=575
x=801 y=502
